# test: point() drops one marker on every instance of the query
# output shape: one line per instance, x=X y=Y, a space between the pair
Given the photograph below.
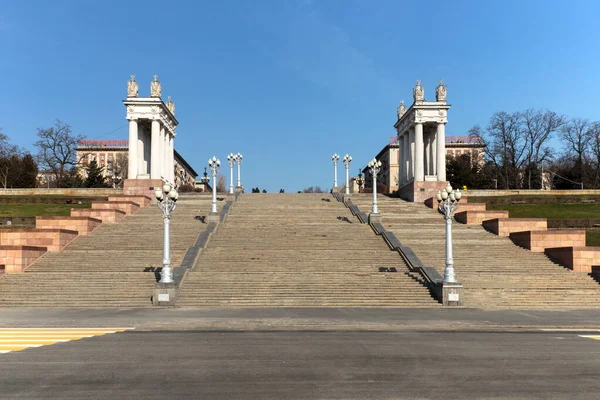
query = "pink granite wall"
x=106 y=216
x=506 y=226
x=52 y=239
x=142 y=201
x=128 y=207
x=538 y=241
x=477 y=217
x=16 y=258
x=83 y=225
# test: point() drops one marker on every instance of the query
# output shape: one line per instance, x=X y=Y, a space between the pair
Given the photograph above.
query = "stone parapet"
x=128 y=207
x=16 y=258
x=143 y=187
x=141 y=200
x=52 y=239
x=106 y=216
x=419 y=191
x=83 y=225
x=477 y=217
x=433 y=203
x=506 y=226
x=579 y=259
x=539 y=241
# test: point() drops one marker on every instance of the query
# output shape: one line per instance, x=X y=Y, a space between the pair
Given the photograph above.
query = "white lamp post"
x=214 y=164
x=374 y=167
x=238 y=158
x=347 y=160
x=335 y=158
x=448 y=203
x=231 y=161
x=167 y=201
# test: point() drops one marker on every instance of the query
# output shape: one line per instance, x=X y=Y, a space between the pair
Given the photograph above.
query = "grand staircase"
x=299 y=250
x=495 y=272
x=112 y=267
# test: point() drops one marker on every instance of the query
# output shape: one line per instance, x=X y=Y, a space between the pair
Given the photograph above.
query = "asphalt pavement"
x=287 y=365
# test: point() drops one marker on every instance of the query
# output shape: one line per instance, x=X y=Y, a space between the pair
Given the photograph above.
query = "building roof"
x=184 y=163
x=103 y=143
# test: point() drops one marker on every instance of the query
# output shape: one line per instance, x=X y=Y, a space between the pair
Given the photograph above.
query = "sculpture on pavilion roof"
x=155 y=87
x=170 y=105
x=418 y=92
x=401 y=109
x=132 y=87
x=440 y=91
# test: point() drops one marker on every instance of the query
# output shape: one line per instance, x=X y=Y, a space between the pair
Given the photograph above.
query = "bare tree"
x=538 y=128
x=57 y=152
x=8 y=152
x=221 y=184
x=577 y=134
x=506 y=147
x=594 y=146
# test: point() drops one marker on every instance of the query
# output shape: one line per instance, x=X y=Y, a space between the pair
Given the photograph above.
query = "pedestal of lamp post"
x=346 y=197
x=375 y=218
x=452 y=294
x=239 y=189
x=232 y=196
x=214 y=217
x=165 y=294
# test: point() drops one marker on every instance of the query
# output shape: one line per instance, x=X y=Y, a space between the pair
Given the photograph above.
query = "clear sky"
x=288 y=83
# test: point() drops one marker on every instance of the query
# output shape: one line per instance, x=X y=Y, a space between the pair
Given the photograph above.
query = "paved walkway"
x=297 y=319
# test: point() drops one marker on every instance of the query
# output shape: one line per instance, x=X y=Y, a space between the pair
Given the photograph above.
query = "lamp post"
x=214 y=164
x=238 y=158
x=448 y=203
x=167 y=201
x=335 y=158
x=347 y=160
x=231 y=161
x=374 y=167
x=360 y=181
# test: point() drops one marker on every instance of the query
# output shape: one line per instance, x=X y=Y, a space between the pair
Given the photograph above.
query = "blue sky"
x=288 y=83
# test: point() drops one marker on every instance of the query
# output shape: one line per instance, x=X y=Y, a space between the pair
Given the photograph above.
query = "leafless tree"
x=7 y=152
x=538 y=128
x=506 y=145
x=57 y=152
x=221 y=184
x=576 y=133
x=594 y=146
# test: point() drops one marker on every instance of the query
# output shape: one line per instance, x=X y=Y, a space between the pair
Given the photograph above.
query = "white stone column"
x=142 y=151
x=418 y=159
x=406 y=156
x=441 y=152
x=132 y=169
x=433 y=153
x=162 y=152
x=155 y=150
x=400 y=161
x=411 y=158
x=171 y=157
x=427 y=144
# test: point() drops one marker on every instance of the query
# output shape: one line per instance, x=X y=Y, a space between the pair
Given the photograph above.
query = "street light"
x=238 y=158
x=214 y=163
x=374 y=167
x=231 y=161
x=335 y=159
x=347 y=160
x=360 y=180
x=167 y=201
x=447 y=204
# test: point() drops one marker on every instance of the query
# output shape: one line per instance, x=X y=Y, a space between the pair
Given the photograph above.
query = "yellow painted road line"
x=16 y=339
x=595 y=337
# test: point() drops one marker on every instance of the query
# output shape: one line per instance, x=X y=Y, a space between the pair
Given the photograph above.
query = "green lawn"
x=549 y=211
x=33 y=210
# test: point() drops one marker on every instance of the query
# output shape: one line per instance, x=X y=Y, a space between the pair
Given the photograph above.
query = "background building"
x=113 y=156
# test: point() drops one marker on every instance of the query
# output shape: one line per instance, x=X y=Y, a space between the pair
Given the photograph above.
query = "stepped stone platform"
x=538 y=241
x=105 y=215
x=495 y=272
x=506 y=226
x=52 y=239
x=83 y=225
x=112 y=267
x=128 y=207
x=299 y=250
